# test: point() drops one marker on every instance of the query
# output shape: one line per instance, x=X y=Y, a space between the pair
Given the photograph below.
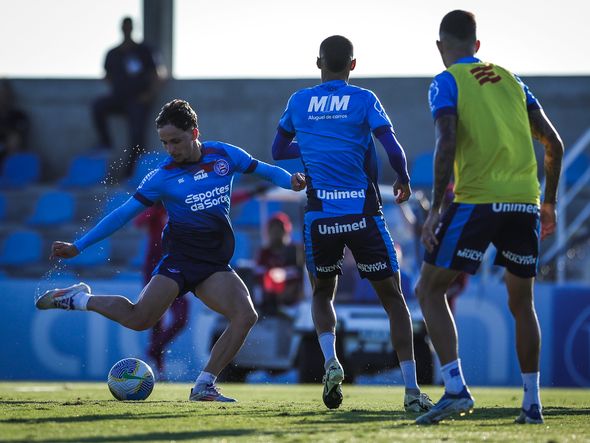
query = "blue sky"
x=280 y=38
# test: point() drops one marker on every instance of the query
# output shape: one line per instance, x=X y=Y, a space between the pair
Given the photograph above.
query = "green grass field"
x=86 y=412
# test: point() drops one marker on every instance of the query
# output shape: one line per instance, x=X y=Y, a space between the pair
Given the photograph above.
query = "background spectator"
x=134 y=75
x=14 y=123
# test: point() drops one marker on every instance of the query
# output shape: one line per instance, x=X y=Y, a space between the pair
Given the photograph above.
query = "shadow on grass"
x=92 y=417
x=153 y=436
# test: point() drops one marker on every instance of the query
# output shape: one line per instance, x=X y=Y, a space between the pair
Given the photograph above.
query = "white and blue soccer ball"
x=131 y=379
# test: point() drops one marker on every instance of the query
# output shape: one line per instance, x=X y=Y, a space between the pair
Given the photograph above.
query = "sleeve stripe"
x=143 y=200
x=382 y=130
x=250 y=169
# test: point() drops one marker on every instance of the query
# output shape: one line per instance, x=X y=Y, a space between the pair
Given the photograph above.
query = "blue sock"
x=328 y=345
x=530 y=382
x=453 y=377
x=408 y=368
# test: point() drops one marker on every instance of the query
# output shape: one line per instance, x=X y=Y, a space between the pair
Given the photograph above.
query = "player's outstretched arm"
x=107 y=226
x=543 y=130
x=445 y=130
x=279 y=176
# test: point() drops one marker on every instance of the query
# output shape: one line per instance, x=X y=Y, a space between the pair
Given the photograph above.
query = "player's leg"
x=153 y=301
x=518 y=249
x=463 y=236
x=324 y=252
x=102 y=107
x=376 y=260
x=226 y=294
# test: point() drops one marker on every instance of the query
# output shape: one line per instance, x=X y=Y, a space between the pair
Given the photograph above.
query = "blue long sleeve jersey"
x=333 y=123
x=196 y=196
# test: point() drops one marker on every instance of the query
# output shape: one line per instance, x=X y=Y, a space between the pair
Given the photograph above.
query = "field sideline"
x=86 y=412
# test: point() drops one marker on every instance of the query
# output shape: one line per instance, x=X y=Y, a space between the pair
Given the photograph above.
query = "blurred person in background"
x=134 y=75
x=280 y=266
x=14 y=123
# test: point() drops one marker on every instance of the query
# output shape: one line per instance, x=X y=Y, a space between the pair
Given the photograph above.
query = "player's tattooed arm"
x=445 y=131
x=543 y=130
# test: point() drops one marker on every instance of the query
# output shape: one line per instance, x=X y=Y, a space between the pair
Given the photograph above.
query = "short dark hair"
x=177 y=113
x=459 y=24
x=337 y=52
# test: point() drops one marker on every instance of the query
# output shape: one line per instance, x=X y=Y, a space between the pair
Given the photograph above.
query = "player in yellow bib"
x=485 y=118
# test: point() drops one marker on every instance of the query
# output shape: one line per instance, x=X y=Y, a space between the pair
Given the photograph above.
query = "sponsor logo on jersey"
x=221 y=167
x=328 y=103
x=519 y=259
x=339 y=195
x=515 y=207
x=372 y=267
x=181 y=180
x=337 y=228
x=205 y=200
x=200 y=175
x=148 y=177
x=470 y=254
x=329 y=268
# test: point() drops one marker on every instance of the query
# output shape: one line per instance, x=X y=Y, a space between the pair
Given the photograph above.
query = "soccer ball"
x=131 y=379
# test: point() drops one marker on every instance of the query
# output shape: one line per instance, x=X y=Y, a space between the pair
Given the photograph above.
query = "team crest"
x=221 y=167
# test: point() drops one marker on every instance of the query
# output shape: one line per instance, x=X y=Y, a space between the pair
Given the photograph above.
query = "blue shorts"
x=188 y=273
x=366 y=236
x=466 y=231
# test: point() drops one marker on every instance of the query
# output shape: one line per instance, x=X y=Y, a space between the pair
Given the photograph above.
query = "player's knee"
x=246 y=319
x=520 y=304
x=141 y=322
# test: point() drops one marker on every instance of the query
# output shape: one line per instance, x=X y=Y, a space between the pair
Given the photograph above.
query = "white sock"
x=408 y=368
x=328 y=344
x=453 y=377
x=205 y=378
x=530 y=382
x=80 y=301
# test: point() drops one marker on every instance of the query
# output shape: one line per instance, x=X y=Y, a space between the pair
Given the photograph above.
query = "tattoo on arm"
x=543 y=130
x=445 y=130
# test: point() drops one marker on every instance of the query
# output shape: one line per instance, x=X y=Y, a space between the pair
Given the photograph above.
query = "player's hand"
x=548 y=220
x=298 y=182
x=429 y=239
x=60 y=249
x=401 y=191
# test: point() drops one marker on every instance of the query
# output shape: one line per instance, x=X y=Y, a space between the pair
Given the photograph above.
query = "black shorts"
x=466 y=231
x=366 y=236
x=188 y=273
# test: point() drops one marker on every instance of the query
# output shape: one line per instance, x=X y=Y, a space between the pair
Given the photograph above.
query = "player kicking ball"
x=194 y=184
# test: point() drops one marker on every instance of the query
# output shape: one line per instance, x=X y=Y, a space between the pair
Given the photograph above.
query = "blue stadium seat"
x=85 y=171
x=147 y=162
x=53 y=208
x=21 y=248
x=421 y=174
x=96 y=255
x=20 y=170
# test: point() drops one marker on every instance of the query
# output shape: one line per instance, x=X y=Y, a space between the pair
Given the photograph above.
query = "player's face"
x=178 y=143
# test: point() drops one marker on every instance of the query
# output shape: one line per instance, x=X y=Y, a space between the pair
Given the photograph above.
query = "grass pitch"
x=86 y=412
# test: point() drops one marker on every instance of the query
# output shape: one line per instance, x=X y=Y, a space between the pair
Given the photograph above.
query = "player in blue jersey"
x=334 y=123
x=194 y=184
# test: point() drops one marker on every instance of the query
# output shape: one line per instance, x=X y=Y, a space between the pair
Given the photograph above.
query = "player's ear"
x=476 y=47
x=195 y=133
x=353 y=64
x=318 y=63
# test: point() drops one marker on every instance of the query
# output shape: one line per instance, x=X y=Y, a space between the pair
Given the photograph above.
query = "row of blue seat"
x=23 y=169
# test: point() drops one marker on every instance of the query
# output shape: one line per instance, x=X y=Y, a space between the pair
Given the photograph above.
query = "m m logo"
x=336 y=103
x=485 y=74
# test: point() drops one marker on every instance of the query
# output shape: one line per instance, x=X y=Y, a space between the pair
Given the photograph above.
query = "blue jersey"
x=333 y=122
x=443 y=92
x=197 y=198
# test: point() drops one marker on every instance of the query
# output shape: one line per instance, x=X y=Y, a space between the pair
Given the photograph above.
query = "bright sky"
x=280 y=38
